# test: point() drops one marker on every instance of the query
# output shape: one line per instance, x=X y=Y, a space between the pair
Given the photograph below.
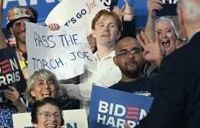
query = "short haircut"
x=107 y=13
x=40 y=103
x=42 y=74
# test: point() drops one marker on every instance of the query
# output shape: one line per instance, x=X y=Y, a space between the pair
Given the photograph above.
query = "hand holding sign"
x=65 y=52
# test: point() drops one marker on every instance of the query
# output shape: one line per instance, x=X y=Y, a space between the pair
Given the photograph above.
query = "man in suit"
x=178 y=103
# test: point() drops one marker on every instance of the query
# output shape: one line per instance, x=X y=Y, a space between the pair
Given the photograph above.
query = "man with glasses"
x=47 y=113
x=129 y=59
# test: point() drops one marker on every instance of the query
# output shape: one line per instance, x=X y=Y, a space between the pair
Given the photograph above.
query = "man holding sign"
x=106 y=29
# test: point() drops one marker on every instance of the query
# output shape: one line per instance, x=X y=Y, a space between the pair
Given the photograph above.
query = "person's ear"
x=119 y=35
x=34 y=125
x=115 y=61
x=32 y=93
x=93 y=33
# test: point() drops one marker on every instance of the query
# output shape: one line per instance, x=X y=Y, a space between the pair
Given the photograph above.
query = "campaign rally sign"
x=10 y=72
x=169 y=8
x=65 y=52
x=72 y=119
x=78 y=13
x=44 y=7
x=112 y=108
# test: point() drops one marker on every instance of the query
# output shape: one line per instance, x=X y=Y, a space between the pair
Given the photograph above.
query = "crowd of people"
x=160 y=61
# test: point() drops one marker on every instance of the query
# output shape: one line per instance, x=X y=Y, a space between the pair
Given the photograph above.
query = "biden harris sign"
x=111 y=108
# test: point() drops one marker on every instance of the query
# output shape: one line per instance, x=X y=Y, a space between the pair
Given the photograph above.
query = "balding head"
x=126 y=40
x=129 y=58
x=191 y=9
x=189 y=16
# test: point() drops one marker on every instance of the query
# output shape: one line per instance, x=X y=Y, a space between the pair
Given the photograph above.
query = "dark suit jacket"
x=177 y=104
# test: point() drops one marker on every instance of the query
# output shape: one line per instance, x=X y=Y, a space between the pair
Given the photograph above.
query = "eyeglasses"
x=126 y=52
x=47 y=115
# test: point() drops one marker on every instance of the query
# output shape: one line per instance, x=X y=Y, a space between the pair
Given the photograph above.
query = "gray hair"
x=191 y=8
x=169 y=20
x=42 y=74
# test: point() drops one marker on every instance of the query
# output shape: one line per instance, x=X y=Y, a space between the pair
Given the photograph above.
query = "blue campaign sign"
x=43 y=7
x=111 y=108
x=10 y=72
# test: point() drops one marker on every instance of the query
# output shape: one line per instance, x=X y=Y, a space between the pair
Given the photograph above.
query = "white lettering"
x=103 y=107
x=169 y=1
x=143 y=113
x=13 y=64
x=25 y=3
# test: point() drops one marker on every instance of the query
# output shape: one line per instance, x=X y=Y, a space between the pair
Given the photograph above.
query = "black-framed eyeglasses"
x=125 y=52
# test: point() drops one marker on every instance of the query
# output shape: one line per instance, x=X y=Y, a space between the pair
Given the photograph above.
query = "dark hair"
x=107 y=13
x=39 y=103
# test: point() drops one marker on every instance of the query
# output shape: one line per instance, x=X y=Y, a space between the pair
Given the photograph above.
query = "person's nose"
x=106 y=27
x=131 y=55
x=46 y=85
x=22 y=26
x=52 y=117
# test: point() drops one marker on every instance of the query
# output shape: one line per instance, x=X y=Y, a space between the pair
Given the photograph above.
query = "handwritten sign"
x=72 y=119
x=64 y=52
x=77 y=13
x=112 y=108
x=10 y=72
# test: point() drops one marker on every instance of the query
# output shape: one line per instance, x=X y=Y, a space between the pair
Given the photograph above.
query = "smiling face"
x=48 y=116
x=18 y=30
x=129 y=58
x=166 y=36
x=42 y=89
x=106 y=31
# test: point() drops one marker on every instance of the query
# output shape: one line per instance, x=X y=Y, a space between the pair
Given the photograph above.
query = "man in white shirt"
x=106 y=29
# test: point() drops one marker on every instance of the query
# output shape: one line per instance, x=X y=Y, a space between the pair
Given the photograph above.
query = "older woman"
x=43 y=111
x=43 y=83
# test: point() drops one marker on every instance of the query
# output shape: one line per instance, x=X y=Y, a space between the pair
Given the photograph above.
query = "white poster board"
x=65 y=52
x=72 y=119
x=75 y=13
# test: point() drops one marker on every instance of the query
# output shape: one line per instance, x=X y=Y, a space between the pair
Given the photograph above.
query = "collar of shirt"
x=110 y=55
x=198 y=30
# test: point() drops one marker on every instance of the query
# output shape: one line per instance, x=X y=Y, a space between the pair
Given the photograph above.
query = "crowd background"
x=129 y=58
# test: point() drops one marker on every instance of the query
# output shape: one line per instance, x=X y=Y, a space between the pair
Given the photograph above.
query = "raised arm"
x=152 y=6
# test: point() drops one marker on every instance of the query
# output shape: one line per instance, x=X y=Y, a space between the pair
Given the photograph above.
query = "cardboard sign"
x=10 y=72
x=77 y=13
x=65 y=52
x=111 y=108
x=43 y=7
x=72 y=119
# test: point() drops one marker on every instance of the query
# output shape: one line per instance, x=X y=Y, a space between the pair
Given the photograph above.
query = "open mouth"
x=51 y=126
x=46 y=94
x=165 y=43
